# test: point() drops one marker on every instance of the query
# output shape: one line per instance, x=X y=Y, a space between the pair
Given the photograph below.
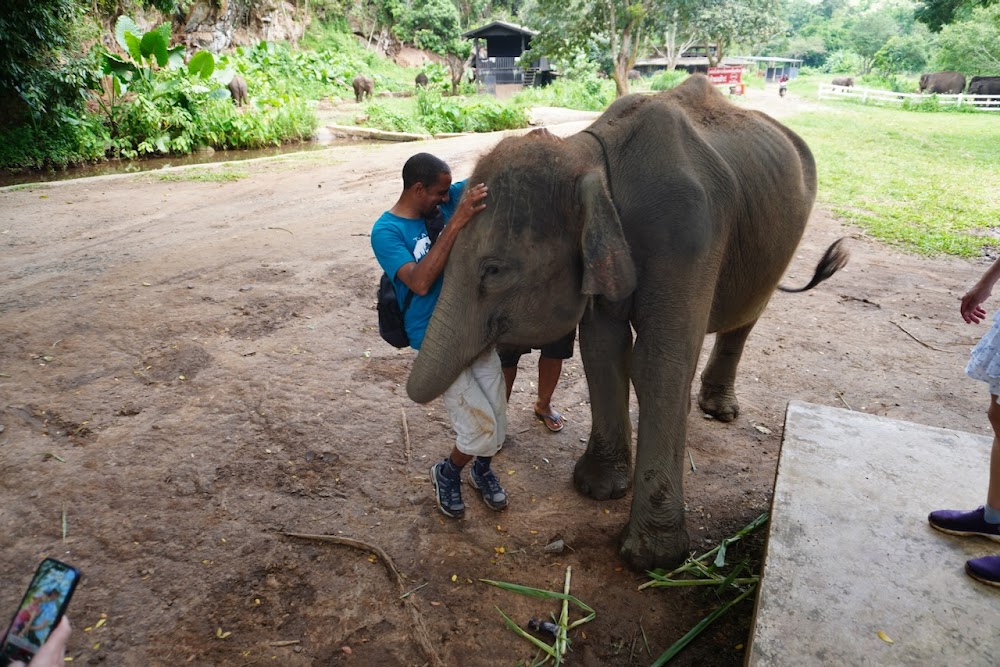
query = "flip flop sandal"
x=553 y=421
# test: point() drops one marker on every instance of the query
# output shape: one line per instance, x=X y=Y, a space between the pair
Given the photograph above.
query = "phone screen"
x=41 y=609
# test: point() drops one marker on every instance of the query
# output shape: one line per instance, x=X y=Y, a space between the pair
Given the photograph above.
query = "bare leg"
x=548 y=377
x=993 y=490
x=459 y=459
x=509 y=375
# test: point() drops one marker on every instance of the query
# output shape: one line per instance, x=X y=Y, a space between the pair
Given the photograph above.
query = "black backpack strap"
x=407 y=300
x=434 y=225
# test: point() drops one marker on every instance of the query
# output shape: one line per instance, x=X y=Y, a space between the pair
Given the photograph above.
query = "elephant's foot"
x=647 y=548
x=600 y=479
x=719 y=401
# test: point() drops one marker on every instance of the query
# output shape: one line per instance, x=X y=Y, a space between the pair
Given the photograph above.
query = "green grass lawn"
x=927 y=182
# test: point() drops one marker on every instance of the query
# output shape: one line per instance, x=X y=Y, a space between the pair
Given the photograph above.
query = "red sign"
x=725 y=75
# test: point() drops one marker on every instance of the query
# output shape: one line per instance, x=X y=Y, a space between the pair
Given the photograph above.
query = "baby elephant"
x=238 y=89
x=844 y=81
x=363 y=85
x=421 y=80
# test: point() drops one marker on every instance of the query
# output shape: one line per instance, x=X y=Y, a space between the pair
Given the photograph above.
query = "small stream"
x=154 y=163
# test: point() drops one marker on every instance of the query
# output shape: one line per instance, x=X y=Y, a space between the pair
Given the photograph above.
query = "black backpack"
x=390 y=317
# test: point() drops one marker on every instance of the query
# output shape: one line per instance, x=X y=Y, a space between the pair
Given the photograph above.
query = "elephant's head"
x=522 y=270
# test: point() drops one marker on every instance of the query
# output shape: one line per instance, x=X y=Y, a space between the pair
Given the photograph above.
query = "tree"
x=674 y=21
x=723 y=23
x=869 y=33
x=810 y=50
x=35 y=38
x=938 y=13
x=435 y=25
x=972 y=46
x=568 y=28
x=903 y=53
x=376 y=17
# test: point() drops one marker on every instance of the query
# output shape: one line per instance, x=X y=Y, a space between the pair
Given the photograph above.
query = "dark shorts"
x=560 y=349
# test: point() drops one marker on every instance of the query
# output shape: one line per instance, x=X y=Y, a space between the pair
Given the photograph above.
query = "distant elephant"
x=943 y=83
x=672 y=214
x=984 y=85
x=363 y=86
x=421 y=80
x=238 y=89
x=633 y=74
x=844 y=81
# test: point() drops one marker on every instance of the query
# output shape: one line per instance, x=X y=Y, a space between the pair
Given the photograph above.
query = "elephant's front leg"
x=605 y=346
x=718 y=380
x=663 y=369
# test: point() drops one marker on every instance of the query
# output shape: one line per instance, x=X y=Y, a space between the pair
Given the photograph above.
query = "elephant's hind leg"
x=718 y=380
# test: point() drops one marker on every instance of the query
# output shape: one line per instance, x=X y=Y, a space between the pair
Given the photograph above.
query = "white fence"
x=873 y=96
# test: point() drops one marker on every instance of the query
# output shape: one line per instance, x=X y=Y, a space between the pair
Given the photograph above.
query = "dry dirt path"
x=189 y=370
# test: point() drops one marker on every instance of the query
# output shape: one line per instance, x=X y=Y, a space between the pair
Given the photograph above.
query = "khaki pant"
x=477 y=405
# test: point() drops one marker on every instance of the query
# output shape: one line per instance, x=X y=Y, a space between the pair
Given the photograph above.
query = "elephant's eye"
x=489 y=270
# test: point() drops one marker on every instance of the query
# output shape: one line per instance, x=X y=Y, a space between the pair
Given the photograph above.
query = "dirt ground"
x=190 y=370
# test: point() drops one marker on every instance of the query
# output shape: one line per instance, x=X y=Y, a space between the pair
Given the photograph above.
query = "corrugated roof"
x=499 y=27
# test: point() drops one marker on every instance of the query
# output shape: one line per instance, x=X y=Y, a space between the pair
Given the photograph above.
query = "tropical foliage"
x=64 y=97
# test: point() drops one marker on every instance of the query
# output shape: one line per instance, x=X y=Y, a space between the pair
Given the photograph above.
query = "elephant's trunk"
x=450 y=345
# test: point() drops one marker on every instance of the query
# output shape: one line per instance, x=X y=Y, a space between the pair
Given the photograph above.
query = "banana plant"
x=142 y=53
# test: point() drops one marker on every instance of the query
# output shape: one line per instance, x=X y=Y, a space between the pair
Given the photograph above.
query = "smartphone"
x=40 y=611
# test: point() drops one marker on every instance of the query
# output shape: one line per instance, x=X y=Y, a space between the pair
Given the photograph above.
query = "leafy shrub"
x=667 y=79
x=435 y=114
x=383 y=117
x=479 y=114
x=53 y=145
x=588 y=94
x=891 y=82
x=840 y=62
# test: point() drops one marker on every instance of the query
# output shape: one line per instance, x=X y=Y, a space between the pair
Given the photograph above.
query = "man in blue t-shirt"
x=405 y=252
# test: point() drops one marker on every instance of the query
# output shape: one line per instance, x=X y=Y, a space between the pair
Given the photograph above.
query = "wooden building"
x=496 y=56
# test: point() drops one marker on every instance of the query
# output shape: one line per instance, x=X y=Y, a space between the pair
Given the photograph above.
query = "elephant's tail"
x=833 y=260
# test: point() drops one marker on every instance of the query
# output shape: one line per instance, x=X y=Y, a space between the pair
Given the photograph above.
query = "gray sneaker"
x=447 y=492
x=488 y=485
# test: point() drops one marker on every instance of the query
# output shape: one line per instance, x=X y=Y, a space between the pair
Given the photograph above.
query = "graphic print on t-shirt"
x=422 y=247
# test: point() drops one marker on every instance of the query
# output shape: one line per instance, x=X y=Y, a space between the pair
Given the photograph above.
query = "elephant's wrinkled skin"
x=363 y=86
x=238 y=89
x=942 y=83
x=683 y=226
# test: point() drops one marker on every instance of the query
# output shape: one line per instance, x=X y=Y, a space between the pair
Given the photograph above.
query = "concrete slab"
x=850 y=552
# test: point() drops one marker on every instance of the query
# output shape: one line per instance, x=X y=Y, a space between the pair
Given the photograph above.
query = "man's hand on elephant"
x=471 y=204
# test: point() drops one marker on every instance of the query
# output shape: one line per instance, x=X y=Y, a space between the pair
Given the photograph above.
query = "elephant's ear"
x=608 y=269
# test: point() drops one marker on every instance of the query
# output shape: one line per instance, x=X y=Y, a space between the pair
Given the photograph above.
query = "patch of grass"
x=928 y=183
x=204 y=175
x=26 y=186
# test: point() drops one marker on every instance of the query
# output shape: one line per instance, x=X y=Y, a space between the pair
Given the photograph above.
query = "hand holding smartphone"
x=40 y=611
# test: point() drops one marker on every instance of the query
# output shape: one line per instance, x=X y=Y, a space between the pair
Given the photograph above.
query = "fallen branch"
x=420 y=633
x=840 y=395
x=281 y=229
x=936 y=349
